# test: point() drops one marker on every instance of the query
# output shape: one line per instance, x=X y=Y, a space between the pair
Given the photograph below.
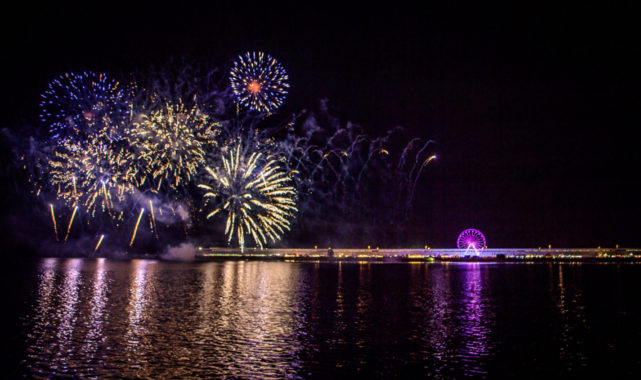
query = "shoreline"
x=374 y=260
x=496 y=255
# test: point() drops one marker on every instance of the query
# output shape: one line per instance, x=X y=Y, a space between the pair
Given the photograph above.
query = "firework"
x=99 y=242
x=152 y=221
x=75 y=105
x=34 y=160
x=259 y=82
x=53 y=218
x=90 y=174
x=169 y=145
x=73 y=215
x=415 y=175
x=254 y=192
x=133 y=236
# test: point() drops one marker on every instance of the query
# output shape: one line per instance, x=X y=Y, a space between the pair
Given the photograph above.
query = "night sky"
x=533 y=109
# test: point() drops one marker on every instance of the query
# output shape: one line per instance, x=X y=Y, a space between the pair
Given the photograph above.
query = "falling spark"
x=99 y=242
x=133 y=236
x=104 y=190
x=425 y=163
x=153 y=219
x=429 y=159
x=53 y=218
x=73 y=215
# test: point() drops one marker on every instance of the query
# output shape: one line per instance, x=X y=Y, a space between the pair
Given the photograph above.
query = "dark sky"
x=533 y=109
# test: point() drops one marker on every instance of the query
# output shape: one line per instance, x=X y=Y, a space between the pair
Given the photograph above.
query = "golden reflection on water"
x=139 y=309
x=257 y=309
x=573 y=319
x=67 y=313
x=339 y=309
x=440 y=327
x=96 y=318
x=44 y=308
x=363 y=303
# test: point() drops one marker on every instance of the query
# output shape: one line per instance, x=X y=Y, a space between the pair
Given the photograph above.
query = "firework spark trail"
x=73 y=215
x=414 y=180
x=408 y=179
x=107 y=200
x=133 y=236
x=418 y=174
x=99 y=242
x=338 y=166
x=153 y=219
x=417 y=159
x=108 y=203
x=375 y=146
x=53 y=218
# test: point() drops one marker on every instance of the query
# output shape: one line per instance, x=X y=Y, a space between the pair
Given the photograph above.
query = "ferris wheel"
x=471 y=239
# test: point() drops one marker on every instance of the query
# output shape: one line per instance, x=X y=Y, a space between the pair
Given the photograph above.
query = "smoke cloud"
x=183 y=252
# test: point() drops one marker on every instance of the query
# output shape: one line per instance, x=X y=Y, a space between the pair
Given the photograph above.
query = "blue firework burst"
x=259 y=82
x=76 y=105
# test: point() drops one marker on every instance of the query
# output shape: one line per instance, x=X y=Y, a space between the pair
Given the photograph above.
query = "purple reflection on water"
x=440 y=308
x=476 y=320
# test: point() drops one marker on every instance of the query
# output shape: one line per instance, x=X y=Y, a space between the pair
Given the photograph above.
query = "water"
x=138 y=319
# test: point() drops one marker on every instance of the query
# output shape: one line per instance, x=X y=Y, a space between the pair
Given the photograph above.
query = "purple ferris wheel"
x=471 y=238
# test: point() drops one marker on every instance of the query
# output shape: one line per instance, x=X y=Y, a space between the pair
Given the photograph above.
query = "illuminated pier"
x=209 y=253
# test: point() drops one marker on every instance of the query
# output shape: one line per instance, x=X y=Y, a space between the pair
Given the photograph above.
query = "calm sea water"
x=139 y=319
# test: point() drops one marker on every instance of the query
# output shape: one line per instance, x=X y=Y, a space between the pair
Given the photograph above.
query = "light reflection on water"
x=273 y=319
x=476 y=320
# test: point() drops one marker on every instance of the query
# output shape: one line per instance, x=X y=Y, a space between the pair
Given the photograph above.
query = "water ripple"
x=148 y=319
